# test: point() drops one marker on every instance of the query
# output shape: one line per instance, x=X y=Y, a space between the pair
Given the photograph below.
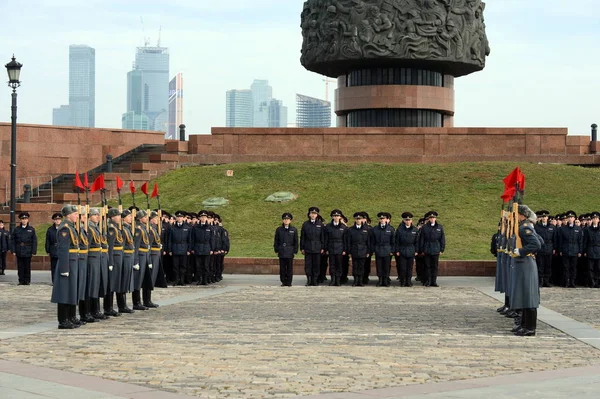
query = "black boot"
x=337 y=281
x=63 y=322
x=308 y=281
x=147 y=296
x=84 y=312
x=530 y=323
x=361 y=281
x=96 y=313
x=122 y=303
x=73 y=316
x=379 y=282
x=137 y=301
x=355 y=282
x=433 y=282
x=109 y=305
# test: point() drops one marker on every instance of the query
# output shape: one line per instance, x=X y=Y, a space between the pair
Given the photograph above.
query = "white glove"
x=516 y=252
x=65 y=274
x=136 y=267
x=149 y=265
x=110 y=268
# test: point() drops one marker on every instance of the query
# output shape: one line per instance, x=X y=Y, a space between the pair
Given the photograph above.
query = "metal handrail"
x=37 y=184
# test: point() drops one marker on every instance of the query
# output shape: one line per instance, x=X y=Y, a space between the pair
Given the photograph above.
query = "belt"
x=24 y=244
x=73 y=251
x=83 y=251
x=128 y=251
x=143 y=250
x=104 y=250
x=117 y=248
x=95 y=249
x=156 y=250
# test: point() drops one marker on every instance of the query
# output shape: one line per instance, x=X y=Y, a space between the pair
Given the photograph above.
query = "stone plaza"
x=246 y=337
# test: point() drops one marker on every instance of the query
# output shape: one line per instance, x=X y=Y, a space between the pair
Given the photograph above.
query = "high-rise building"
x=277 y=114
x=134 y=121
x=312 y=112
x=61 y=116
x=82 y=85
x=148 y=86
x=175 y=106
x=239 y=108
x=262 y=94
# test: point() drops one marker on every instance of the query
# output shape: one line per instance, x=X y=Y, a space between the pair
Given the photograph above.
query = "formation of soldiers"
x=339 y=245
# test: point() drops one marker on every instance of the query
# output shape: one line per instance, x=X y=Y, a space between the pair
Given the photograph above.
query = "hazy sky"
x=544 y=70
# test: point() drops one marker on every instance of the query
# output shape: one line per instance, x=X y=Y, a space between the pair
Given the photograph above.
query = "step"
x=147 y=166
x=163 y=157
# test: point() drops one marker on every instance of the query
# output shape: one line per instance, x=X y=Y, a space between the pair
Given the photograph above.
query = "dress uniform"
x=592 y=249
x=83 y=280
x=420 y=259
x=432 y=243
x=285 y=245
x=141 y=258
x=224 y=247
x=179 y=246
x=212 y=259
x=128 y=265
x=4 y=247
x=383 y=244
x=570 y=245
x=155 y=277
x=334 y=246
x=358 y=245
x=543 y=257
x=367 y=267
x=23 y=243
x=406 y=243
x=203 y=242
x=50 y=245
x=115 y=260
x=167 y=258
x=64 y=290
x=311 y=245
x=97 y=277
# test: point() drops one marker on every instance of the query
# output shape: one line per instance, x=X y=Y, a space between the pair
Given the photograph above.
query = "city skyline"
x=536 y=75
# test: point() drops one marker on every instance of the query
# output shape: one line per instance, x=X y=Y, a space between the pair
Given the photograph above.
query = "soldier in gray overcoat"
x=525 y=293
x=115 y=260
x=64 y=290
x=95 y=280
x=127 y=271
x=141 y=258
x=82 y=284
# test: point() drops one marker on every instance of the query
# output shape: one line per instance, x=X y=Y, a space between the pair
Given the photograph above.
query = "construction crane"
x=327 y=81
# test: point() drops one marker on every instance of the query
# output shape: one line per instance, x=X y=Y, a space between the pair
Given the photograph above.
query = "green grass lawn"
x=466 y=195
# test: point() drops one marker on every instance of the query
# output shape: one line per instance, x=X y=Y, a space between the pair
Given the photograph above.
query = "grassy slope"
x=466 y=196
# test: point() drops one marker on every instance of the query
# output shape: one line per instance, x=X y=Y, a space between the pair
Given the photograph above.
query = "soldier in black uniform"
x=212 y=259
x=346 y=256
x=311 y=245
x=383 y=243
x=51 y=241
x=543 y=257
x=285 y=245
x=178 y=243
x=223 y=247
x=167 y=259
x=4 y=247
x=203 y=242
x=333 y=243
x=23 y=243
x=407 y=237
x=591 y=245
x=570 y=245
x=367 y=268
x=432 y=243
x=358 y=243
x=64 y=290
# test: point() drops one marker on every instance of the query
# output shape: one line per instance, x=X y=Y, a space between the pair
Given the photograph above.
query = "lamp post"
x=14 y=71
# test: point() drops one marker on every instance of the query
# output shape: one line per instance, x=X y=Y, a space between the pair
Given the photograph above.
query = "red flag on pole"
x=119 y=183
x=86 y=182
x=144 y=188
x=508 y=194
x=155 y=191
x=98 y=184
x=78 y=181
x=131 y=187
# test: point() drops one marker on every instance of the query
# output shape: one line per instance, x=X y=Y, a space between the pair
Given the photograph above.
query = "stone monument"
x=395 y=60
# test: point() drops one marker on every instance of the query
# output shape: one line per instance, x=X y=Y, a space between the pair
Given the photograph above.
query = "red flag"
x=508 y=194
x=78 y=181
x=119 y=183
x=144 y=188
x=514 y=177
x=155 y=191
x=98 y=184
x=131 y=187
x=521 y=181
x=86 y=182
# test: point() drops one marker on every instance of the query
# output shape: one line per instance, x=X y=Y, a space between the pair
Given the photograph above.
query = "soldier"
x=544 y=255
x=51 y=240
x=141 y=258
x=224 y=247
x=64 y=290
x=155 y=276
x=179 y=246
x=23 y=244
x=333 y=244
x=82 y=283
x=97 y=277
x=432 y=243
x=570 y=245
x=212 y=258
x=525 y=292
x=167 y=259
x=591 y=245
x=4 y=247
x=285 y=245
x=367 y=269
x=128 y=265
x=406 y=243
x=383 y=243
x=358 y=245
x=420 y=259
x=311 y=245
x=346 y=256
x=115 y=261
x=203 y=242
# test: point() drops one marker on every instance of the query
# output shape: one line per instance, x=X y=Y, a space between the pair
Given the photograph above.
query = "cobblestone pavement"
x=581 y=304
x=272 y=342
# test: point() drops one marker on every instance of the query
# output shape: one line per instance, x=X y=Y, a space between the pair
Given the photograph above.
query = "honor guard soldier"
x=203 y=244
x=346 y=257
x=51 y=240
x=367 y=268
x=23 y=244
x=179 y=246
x=128 y=266
x=224 y=247
x=285 y=245
x=311 y=245
x=407 y=237
x=383 y=243
x=4 y=247
x=155 y=276
x=358 y=246
x=82 y=287
x=141 y=258
x=115 y=261
x=64 y=290
x=167 y=259
x=570 y=245
x=97 y=277
x=212 y=259
x=432 y=243
x=334 y=246
x=592 y=249
x=543 y=257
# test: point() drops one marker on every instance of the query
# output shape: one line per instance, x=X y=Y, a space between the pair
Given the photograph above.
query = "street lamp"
x=14 y=71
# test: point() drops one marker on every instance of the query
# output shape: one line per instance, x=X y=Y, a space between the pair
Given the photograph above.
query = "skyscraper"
x=277 y=113
x=148 y=86
x=175 y=106
x=61 y=116
x=312 y=112
x=262 y=94
x=239 y=108
x=82 y=85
